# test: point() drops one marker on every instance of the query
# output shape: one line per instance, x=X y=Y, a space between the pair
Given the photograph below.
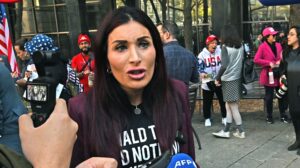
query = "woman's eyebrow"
x=143 y=37
x=125 y=41
x=120 y=41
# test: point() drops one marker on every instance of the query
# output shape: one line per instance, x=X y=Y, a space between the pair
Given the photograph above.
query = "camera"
x=41 y=92
x=282 y=89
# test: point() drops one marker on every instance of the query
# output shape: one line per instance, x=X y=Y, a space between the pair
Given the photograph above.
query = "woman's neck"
x=270 y=42
x=135 y=97
x=296 y=46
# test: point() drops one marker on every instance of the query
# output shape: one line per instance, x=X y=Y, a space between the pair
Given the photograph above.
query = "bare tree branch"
x=172 y=7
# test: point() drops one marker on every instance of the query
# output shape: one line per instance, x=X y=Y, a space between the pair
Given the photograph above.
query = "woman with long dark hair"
x=135 y=112
x=268 y=56
x=291 y=58
x=229 y=77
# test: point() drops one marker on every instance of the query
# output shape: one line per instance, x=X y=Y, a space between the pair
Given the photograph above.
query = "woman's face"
x=271 y=38
x=212 y=46
x=131 y=56
x=35 y=89
x=292 y=38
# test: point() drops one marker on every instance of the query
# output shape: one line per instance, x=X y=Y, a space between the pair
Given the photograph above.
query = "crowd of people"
x=134 y=105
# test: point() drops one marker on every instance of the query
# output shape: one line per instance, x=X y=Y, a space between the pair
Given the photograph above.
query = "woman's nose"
x=134 y=55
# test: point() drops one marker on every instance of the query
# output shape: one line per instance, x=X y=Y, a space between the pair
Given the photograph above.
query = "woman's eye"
x=120 y=48
x=144 y=44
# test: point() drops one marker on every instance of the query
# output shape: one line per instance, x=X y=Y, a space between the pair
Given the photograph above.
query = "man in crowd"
x=4 y=60
x=27 y=64
x=181 y=63
x=82 y=63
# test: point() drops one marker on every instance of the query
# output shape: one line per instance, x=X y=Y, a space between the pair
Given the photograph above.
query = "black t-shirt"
x=139 y=142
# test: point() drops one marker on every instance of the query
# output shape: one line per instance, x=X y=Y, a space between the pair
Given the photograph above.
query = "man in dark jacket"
x=11 y=108
x=4 y=60
x=181 y=63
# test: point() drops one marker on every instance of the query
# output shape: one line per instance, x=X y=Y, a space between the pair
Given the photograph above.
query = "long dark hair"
x=288 y=48
x=108 y=103
x=265 y=38
x=230 y=36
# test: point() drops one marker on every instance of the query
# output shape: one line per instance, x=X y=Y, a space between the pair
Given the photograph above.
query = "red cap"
x=210 y=38
x=269 y=31
x=83 y=37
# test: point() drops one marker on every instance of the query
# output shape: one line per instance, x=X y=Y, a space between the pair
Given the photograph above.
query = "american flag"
x=74 y=80
x=6 y=47
x=9 y=1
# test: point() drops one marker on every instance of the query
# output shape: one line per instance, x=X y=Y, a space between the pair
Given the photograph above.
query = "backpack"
x=248 y=71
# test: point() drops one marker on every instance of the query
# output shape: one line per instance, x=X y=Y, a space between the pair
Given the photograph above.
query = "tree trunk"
x=174 y=11
x=188 y=33
x=163 y=4
x=155 y=12
x=145 y=6
x=18 y=24
x=205 y=20
x=294 y=14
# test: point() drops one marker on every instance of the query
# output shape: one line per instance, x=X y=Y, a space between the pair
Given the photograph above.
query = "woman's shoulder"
x=180 y=87
x=177 y=84
x=278 y=45
x=263 y=44
x=79 y=98
x=77 y=104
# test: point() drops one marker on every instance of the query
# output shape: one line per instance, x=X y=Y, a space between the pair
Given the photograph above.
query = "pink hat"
x=210 y=39
x=269 y=31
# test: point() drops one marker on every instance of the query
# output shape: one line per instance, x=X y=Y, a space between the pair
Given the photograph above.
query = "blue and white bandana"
x=40 y=42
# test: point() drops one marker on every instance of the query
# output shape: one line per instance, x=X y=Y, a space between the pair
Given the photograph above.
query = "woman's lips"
x=136 y=74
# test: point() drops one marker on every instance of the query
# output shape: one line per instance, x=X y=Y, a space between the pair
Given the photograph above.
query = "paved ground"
x=264 y=146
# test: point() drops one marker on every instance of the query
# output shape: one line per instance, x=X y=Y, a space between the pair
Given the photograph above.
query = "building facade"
x=63 y=20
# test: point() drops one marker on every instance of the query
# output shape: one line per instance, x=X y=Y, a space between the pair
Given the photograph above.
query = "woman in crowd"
x=135 y=112
x=229 y=77
x=210 y=63
x=291 y=60
x=268 y=56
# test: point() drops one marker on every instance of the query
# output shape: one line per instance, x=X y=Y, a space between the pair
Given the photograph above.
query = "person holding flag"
x=83 y=63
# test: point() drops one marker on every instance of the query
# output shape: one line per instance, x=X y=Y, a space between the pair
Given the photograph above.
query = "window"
x=48 y=17
x=260 y=16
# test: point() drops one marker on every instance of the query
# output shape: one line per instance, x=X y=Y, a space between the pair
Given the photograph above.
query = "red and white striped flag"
x=9 y=1
x=6 y=47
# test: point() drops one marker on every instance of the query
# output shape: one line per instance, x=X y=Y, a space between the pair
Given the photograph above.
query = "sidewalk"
x=265 y=145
